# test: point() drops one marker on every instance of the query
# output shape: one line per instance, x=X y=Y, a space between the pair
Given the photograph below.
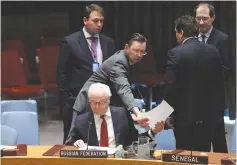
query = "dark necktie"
x=203 y=38
x=93 y=47
x=104 y=140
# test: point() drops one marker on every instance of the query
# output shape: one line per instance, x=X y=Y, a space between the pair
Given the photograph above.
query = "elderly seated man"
x=109 y=126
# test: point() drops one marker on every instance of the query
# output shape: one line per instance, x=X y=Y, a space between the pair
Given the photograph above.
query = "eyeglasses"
x=102 y=102
x=139 y=52
x=202 y=18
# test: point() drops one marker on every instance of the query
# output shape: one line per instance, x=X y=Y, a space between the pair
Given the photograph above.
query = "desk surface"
x=34 y=157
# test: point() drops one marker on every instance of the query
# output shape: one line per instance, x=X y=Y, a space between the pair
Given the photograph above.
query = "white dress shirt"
x=98 y=47
x=110 y=127
x=207 y=35
x=187 y=39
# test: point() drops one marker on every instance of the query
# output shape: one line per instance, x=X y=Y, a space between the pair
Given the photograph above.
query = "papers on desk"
x=159 y=113
x=109 y=150
x=7 y=147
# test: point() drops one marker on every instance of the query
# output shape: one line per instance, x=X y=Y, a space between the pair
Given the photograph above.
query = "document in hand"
x=109 y=150
x=159 y=113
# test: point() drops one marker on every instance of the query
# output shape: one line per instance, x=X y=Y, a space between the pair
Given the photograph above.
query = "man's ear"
x=126 y=46
x=213 y=18
x=84 y=20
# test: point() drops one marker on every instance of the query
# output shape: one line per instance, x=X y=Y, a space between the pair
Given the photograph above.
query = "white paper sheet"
x=159 y=113
x=108 y=149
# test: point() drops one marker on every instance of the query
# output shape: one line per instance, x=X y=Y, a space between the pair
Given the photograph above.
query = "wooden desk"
x=34 y=157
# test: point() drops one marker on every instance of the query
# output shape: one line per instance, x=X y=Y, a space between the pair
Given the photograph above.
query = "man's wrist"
x=133 y=110
x=153 y=133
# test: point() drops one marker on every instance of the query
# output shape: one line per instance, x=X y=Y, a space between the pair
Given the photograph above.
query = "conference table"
x=34 y=157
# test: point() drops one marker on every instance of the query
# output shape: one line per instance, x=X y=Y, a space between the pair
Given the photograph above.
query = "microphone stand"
x=88 y=134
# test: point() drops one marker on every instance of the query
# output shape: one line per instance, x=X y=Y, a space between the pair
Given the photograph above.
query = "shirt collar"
x=87 y=35
x=187 y=39
x=207 y=34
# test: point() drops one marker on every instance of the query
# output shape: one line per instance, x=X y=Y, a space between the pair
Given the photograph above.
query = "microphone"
x=88 y=133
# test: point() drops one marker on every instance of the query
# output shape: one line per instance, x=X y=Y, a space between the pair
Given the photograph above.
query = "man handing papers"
x=159 y=113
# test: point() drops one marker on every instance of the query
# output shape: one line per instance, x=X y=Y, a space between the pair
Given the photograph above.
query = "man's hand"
x=159 y=126
x=79 y=143
x=138 y=118
x=168 y=123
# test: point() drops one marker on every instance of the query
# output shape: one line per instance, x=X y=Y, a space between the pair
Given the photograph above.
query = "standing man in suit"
x=116 y=73
x=80 y=55
x=205 y=16
x=109 y=126
x=193 y=87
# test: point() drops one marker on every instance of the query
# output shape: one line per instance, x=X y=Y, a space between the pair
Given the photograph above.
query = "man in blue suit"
x=109 y=126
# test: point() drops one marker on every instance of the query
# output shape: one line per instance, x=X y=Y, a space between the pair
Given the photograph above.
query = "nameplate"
x=185 y=159
x=83 y=153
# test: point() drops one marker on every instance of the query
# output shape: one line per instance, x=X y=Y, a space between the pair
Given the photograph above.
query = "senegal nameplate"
x=185 y=159
x=83 y=153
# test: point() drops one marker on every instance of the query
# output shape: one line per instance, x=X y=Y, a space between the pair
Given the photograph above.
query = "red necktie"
x=104 y=133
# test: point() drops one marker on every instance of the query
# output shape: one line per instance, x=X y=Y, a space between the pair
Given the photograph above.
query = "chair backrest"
x=48 y=57
x=18 y=46
x=18 y=105
x=26 y=125
x=51 y=41
x=139 y=103
x=8 y=135
x=233 y=142
x=165 y=140
x=54 y=32
x=147 y=65
x=15 y=45
x=12 y=70
x=146 y=71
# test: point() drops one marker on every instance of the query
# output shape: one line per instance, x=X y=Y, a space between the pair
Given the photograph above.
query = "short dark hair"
x=210 y=7
x=188 y=24
x=137 y=37
x=93 y=7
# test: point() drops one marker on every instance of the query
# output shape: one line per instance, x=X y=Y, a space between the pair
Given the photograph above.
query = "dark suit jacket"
x=116 y=73
x=75 y=63
x=193 y=84
x=125 y=132
x=220 y=40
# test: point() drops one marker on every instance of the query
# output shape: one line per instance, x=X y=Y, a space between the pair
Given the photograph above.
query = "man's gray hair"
x=101 y=86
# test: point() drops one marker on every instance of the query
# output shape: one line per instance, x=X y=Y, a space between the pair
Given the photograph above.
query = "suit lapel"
x=103 y=48
x=82 y=41
x=93 y=135
x=116 y=124
x=211 y=37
